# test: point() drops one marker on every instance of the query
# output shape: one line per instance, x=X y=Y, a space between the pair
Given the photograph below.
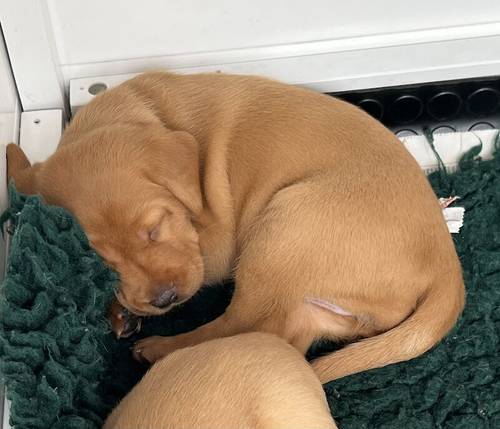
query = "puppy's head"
x=135 y=190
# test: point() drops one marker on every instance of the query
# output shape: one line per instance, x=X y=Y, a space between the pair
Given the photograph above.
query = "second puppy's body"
x=247 y=381
x=325 y=221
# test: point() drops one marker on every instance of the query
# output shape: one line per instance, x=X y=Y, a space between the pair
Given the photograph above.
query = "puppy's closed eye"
x=156 y=227
x=154 y=234
x=151 y=234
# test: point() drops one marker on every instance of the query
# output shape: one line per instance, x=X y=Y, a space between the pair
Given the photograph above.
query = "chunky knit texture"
x=62 y=366
x=457 y=384
x=64 y=369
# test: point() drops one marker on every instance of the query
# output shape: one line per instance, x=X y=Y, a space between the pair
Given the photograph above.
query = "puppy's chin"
x=150 y=310
x=154 y=311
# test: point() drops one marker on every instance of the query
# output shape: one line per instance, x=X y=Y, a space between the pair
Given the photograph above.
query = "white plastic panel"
x=28 y=35
x=6 y=415
x=9 y=125
x=8 y=98
x=370 y=61
x=339 y=71
x=40 y=133
x=95 y=31
x=328 y=46
x=10 y=108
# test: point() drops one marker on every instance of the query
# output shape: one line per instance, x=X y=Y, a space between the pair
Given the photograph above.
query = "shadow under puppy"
x=324 y=220
x=251 y=380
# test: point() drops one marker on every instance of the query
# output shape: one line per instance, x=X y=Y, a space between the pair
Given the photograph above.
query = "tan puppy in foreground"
x=247 y=381
x=327 y=224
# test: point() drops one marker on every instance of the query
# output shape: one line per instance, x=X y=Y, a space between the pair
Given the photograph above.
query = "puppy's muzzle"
x=166 y=297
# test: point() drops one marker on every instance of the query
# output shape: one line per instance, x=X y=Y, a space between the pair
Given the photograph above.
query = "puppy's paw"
x=123 y=323
x=150 y=349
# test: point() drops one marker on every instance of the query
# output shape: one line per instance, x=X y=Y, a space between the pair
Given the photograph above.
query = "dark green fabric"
x=457 y=384
x=62 y=366
x=64 y=369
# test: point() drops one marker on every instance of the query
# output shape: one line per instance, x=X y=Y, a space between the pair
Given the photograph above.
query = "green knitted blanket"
x=64 y=369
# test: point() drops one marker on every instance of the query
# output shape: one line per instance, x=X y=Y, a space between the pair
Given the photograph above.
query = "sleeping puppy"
x=326 y=223
x=251 y=380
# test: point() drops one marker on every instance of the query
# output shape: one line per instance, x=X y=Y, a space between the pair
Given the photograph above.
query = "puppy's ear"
x=178 y=169
x=20 y=170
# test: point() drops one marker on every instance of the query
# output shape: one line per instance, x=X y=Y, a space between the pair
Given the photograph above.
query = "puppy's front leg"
x=239 y=317
x=153 y=348
x=268 y=284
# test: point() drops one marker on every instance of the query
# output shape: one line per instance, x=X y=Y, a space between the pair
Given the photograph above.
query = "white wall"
x=9 y=103
x=324 y=44
x=97 y=31
x=10 y=114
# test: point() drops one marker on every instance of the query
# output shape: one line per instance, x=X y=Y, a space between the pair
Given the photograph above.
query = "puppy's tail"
x=435 y=315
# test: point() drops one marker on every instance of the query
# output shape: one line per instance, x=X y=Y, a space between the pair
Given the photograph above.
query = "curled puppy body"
x=325 y=221
x=251 y=380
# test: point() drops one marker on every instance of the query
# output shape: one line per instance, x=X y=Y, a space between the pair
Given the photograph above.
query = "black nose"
x=167 y=296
